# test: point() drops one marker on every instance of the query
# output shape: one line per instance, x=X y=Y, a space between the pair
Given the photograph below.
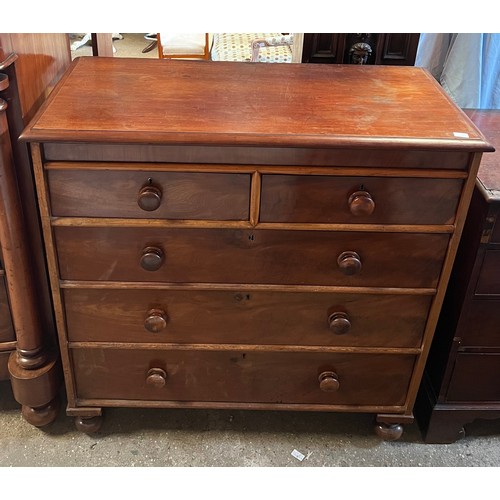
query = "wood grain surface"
x=237 y=376
x=322 y=199
x=245 y=317
x=184 y=195
x=201 y=102
x=250 y=256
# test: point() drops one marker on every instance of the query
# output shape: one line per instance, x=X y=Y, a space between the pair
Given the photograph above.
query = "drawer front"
x=328 y=199
x=488 y=282
x=245 y=256
x=480 y=324
x=241 y=376
x=244 y=317
x=475 y=378
x=142 y=194
x=6 y=329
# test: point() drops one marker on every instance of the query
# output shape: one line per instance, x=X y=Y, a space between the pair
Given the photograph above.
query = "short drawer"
x=475 y=378
x=245 y=317
x=241 y=376
x=181 y=255
x=6 y=329
x=480 y=324
x=372 y=200
x=488 y=282
x=149 y=194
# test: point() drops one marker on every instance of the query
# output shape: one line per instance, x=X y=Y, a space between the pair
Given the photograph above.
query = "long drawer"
x=149 y=194
x=241 y=376
x=350 y=200
x=245 y=317
x=182 y=255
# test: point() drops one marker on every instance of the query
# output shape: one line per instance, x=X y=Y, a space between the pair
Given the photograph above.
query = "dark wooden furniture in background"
x=397 y=49
x=218 y=241
x=462 y=378
x=30 y=65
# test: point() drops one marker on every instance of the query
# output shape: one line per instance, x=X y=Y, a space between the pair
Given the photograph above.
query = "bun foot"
x=389 y=432
x=40 y=417
x=88 y=425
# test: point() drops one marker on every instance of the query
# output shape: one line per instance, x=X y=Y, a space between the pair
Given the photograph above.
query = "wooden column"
x=33 y=369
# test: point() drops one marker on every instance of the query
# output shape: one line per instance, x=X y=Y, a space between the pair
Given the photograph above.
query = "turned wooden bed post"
x=33 y=368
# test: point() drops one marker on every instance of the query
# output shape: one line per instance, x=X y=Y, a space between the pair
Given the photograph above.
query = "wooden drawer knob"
x=349 y=263
x=156 y=321
x=149 y=198
x=361 y=203
x=152 y=258
x=156 y=377
x=339 y=323
x=329 y=382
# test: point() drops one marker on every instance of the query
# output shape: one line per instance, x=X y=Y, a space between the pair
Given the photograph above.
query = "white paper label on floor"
x=461 y=135
x=296 y=454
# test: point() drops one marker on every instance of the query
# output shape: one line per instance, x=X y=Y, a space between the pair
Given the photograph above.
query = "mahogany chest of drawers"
x=234 y=235
x=462 y=377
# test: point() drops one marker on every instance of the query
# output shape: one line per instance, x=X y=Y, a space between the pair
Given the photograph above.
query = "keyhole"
x=251 y=237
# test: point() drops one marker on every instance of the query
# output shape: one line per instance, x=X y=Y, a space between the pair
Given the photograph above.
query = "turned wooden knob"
x=349 y=263
x=152 y=258
x=339 y=323
x=329 y=382
x=149 y=198
x=361 y=203
x=156 y=377
x=156 y=320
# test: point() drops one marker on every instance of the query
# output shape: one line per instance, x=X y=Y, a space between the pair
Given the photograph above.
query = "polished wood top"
x=488 y=176
x=219 y=103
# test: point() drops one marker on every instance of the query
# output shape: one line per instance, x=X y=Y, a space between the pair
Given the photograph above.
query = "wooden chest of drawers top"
x=179 y=102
